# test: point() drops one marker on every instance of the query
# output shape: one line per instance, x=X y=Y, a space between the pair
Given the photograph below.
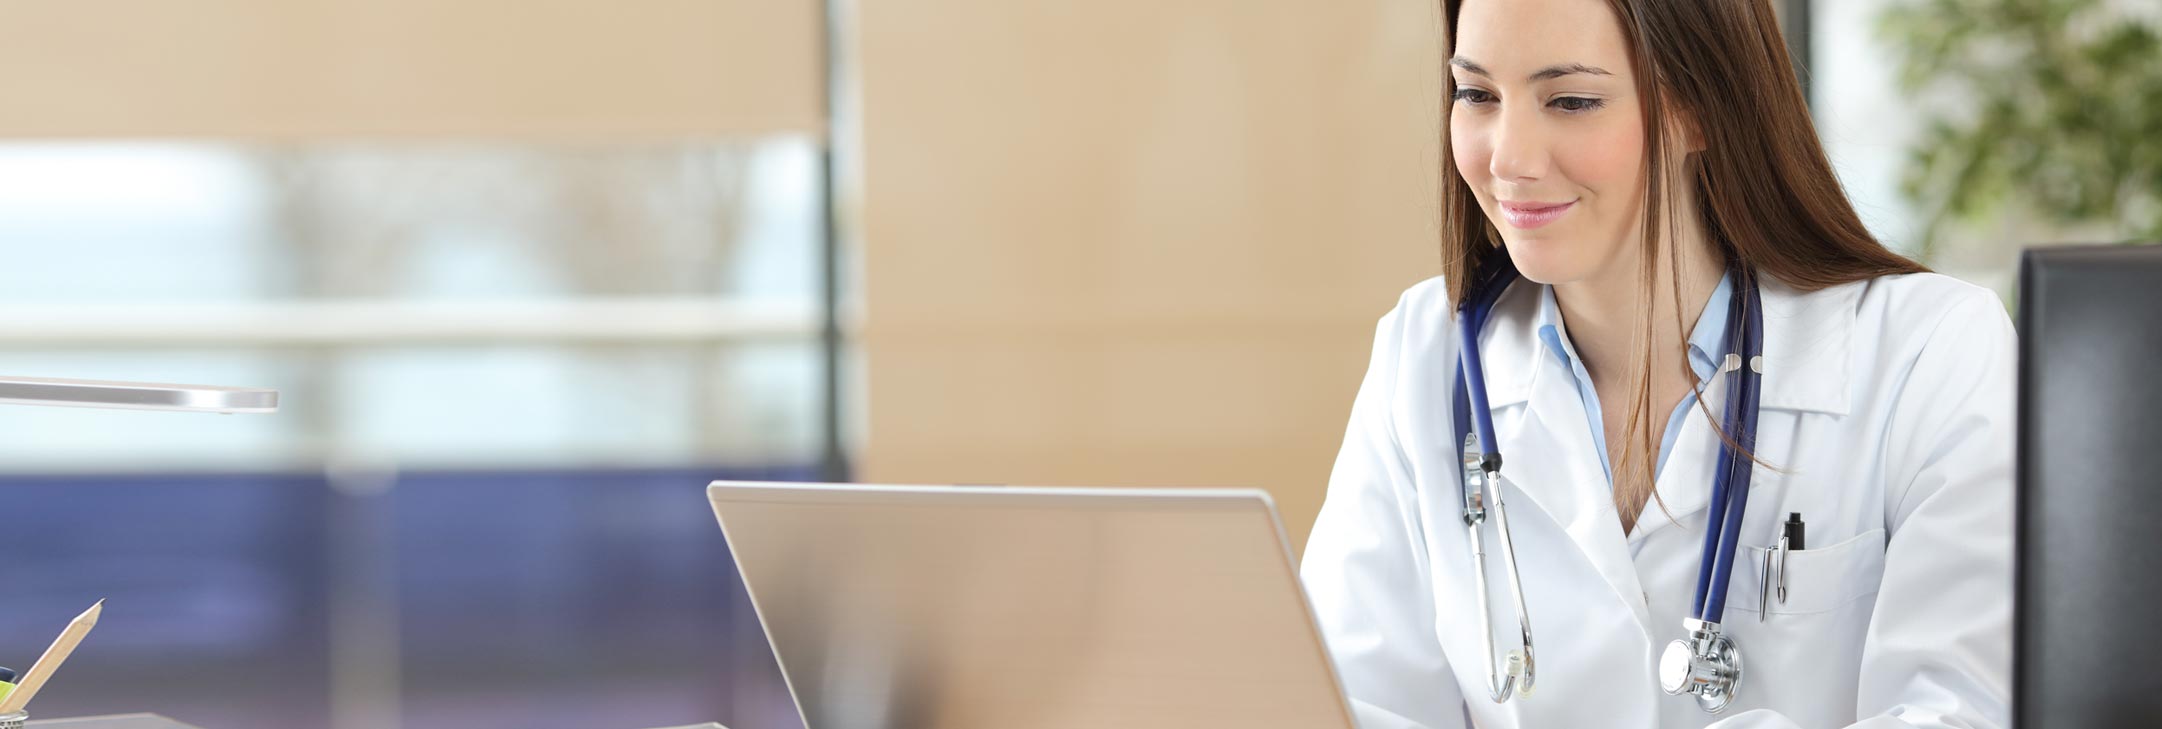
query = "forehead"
x=1513 y=38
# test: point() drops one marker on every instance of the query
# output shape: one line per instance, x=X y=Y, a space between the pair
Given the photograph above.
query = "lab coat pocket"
x=1817 y=580
x=1801 y=655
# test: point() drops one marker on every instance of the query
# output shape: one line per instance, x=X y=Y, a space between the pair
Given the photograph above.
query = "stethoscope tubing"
x=1730 y=484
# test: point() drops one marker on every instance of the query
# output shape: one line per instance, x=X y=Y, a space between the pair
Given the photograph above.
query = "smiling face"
x=1547 y=131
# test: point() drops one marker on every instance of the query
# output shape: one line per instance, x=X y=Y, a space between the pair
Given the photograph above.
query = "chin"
x=1548 y=260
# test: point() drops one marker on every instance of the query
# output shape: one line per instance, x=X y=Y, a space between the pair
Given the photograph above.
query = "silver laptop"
x=941 y=607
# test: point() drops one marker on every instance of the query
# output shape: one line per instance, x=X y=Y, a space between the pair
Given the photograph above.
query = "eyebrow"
x=1551 y=72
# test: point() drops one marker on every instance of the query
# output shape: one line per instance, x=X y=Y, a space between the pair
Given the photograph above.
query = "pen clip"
x=1764 y=586
x=1781 y=568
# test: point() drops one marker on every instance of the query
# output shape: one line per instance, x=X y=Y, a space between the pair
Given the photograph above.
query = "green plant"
x=2053 y=106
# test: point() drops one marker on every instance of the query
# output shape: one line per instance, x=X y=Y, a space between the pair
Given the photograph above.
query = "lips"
x=1528 y=215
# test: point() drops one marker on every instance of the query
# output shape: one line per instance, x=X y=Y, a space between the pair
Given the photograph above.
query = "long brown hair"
x=1768 y=200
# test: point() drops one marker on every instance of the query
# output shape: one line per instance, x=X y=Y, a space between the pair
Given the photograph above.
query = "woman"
x=1647 y=170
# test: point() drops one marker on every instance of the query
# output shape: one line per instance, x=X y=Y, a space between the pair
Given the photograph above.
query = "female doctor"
x=1675 y=310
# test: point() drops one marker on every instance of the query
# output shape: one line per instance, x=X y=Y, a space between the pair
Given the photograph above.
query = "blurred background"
x=529 y=274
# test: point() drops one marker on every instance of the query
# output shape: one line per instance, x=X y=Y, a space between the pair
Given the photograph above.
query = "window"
x=505 y=369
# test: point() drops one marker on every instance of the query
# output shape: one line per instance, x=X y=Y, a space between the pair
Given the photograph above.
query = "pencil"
x=50 y=662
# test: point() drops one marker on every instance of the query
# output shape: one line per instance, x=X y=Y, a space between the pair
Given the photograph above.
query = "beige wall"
x=278 y=69
x=1131 y=242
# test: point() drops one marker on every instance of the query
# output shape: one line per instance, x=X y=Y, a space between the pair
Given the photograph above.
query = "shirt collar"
x=1807 y=344
x=1705 y=338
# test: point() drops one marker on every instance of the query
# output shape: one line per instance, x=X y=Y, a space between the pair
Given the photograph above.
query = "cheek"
x=1605 y=157
x=1468 y=145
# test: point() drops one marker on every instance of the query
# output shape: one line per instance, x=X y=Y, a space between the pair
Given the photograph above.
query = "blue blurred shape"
x=571 y=598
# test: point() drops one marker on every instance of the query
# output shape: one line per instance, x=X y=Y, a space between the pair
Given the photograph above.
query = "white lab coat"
x=1887 y=407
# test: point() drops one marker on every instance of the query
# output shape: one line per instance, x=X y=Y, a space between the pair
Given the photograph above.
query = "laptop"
x=956 y=607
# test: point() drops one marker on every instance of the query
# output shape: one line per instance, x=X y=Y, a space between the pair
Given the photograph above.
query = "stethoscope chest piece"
x=1705 y=665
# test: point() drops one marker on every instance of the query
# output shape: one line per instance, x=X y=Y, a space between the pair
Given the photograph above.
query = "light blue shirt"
x=1704 y=356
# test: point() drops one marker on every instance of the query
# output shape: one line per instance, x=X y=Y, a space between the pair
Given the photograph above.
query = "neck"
x=1603 y=311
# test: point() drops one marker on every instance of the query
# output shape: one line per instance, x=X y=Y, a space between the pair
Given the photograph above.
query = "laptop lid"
x=988 y=607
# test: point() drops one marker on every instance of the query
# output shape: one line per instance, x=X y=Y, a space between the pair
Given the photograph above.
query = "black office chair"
x=2088 y=625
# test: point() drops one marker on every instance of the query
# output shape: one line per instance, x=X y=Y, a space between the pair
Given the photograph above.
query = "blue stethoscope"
x=1706 y=664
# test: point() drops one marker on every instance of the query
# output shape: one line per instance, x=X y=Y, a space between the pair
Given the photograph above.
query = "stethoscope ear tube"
x=1474 y=380
x=1470 y=321
x=1707 y=664
x=1480 y=487
x=1730 y=491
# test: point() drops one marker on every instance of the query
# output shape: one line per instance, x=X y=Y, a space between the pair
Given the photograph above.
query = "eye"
x=1576 y=104
x=1472 y=96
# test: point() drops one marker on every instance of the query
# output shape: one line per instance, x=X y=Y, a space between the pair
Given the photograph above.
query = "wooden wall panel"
x=299 y=69
x=1136 y=242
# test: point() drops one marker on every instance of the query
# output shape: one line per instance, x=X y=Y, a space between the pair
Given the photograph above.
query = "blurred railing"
x=588 y=598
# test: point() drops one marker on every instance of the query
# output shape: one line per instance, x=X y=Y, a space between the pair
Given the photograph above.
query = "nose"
x=1520 y=152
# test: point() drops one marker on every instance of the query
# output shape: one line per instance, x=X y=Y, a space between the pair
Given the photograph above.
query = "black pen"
x=1775 y=561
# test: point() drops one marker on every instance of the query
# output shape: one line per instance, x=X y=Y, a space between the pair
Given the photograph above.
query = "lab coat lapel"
x=1806 y=344
x=1550 y=458
x=1684 y=482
